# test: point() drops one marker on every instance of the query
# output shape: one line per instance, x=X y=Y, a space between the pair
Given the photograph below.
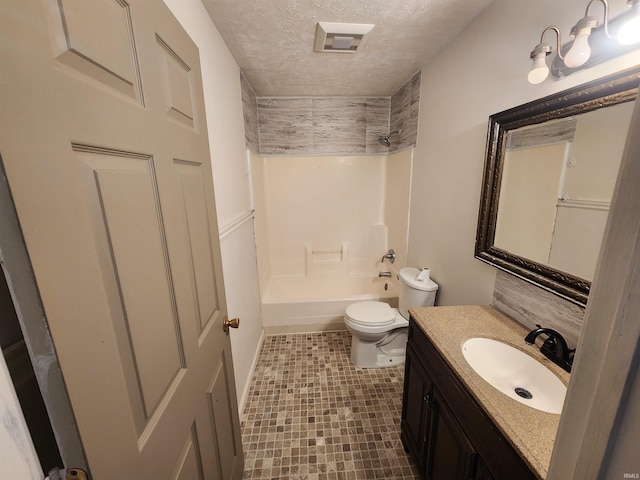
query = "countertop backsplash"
x=531 y=305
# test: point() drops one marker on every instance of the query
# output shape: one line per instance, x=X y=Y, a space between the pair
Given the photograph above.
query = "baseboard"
x=247 y=385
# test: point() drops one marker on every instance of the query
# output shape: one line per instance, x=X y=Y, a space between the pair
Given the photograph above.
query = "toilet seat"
x=373 y=318
x=374 y=314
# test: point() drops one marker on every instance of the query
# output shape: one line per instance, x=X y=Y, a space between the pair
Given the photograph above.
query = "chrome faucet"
x=390 y=255
x=554 y=347
x=384 y=274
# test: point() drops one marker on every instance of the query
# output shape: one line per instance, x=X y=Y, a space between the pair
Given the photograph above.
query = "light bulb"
x=579 y=52
x=629 y=33
x=539 y=71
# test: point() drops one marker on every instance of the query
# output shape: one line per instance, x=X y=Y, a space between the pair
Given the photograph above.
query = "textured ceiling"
x=272 y=41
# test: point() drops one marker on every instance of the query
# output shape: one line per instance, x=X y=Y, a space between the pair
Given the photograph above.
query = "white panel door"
x=103 y=137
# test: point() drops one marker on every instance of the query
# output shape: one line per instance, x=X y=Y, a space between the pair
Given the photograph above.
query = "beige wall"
x=484 y=71
x=596 y=153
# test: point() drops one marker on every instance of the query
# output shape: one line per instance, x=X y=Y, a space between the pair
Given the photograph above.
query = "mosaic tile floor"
x=310 y=414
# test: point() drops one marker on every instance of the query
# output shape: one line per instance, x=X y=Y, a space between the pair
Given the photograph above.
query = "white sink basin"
x=515 y=374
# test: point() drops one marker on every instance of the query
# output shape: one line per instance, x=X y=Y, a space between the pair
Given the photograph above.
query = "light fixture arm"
x=539 y=71
x=543 y=47
x=605 y=4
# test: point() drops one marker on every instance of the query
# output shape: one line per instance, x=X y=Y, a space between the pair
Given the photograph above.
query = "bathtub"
x=317 y=303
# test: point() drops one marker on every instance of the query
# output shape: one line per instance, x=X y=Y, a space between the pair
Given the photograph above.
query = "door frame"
x=16 y=266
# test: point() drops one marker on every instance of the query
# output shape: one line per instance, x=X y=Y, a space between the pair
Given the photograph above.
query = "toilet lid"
x=371 y=313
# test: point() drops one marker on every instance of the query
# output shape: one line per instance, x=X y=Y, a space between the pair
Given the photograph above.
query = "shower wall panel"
x=250 y=114
x=377 y=124
x=405 y=105
x=285 y=125
x=324 y=202
x=322 y=125
x=396 y=205
x=339 y=125
x=277 y=126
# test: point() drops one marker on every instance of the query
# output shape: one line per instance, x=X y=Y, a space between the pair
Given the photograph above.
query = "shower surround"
x=329 y=199
x=322 y=226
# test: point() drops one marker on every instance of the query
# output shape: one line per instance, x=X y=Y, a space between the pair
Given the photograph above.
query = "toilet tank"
x=413 y=293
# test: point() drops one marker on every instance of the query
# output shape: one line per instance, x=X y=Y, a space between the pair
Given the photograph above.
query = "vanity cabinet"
x=448 y=434
x=429 y=429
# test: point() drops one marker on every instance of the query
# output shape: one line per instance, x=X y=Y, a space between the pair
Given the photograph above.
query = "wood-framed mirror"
x=550 y=170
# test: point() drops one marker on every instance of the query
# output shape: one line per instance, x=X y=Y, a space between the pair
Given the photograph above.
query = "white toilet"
x=379 y=331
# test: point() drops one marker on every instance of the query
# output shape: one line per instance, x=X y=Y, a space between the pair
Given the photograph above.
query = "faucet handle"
x=550 y=345
x=390 y=255
x=554 y=347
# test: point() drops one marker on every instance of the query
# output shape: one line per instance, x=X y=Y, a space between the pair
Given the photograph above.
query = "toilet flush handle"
x=233 y=323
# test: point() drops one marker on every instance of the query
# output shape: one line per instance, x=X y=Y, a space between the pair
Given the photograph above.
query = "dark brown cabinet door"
x=450 y=454
x=415 y=408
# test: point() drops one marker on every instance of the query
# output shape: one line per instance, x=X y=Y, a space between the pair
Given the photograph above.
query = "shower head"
x=384 y=140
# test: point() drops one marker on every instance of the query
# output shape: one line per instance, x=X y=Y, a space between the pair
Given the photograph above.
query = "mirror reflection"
x=557 y=182
x=550 y=171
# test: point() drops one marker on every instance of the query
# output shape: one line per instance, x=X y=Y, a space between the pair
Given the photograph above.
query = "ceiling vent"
x=341 y=37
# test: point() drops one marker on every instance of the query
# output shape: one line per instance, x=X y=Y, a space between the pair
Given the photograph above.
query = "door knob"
x=233 y=323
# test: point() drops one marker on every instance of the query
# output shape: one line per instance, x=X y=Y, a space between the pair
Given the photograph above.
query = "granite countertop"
x=531 y=432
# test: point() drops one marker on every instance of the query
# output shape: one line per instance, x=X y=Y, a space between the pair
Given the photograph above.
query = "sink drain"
x=524 y=393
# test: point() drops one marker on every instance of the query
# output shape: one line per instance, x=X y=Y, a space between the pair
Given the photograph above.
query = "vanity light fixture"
x=629 y=32
x=588 y=34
